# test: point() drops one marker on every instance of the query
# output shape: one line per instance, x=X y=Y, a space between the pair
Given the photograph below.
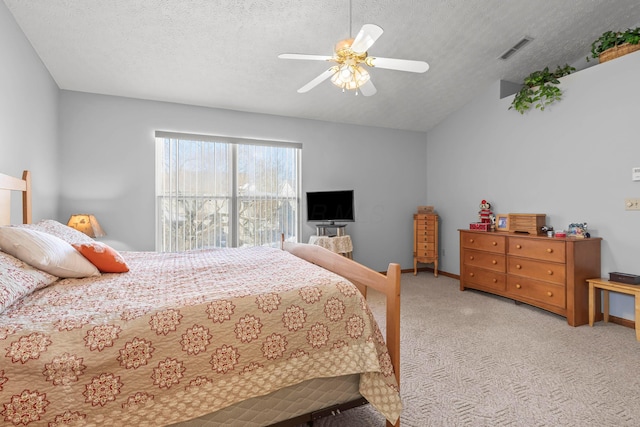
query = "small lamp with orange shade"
x=88 y=224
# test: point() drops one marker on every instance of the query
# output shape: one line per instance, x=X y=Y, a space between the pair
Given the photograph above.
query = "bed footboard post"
x=26 y=198
x=393 y=322
x=393 y=317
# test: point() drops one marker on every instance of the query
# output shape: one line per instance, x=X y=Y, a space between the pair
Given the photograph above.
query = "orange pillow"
x=103 y=256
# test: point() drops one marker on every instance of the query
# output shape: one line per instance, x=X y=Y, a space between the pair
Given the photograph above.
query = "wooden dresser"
x=546 y=272
x=425 y=241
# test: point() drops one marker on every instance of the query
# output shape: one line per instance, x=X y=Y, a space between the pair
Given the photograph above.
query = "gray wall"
x=28 y=117
x=107 y=154
x=571 y=162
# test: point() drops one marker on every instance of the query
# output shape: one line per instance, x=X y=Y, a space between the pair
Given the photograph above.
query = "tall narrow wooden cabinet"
x=425 y=241
x=547 y=272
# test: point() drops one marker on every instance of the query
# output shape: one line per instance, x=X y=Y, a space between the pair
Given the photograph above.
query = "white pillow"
x=45 y=252
x=17 y=279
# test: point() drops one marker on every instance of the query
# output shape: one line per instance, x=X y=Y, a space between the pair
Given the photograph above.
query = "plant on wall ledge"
x=540 y=89
x=622 y=41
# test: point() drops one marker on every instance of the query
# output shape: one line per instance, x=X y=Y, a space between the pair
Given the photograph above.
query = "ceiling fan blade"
x=315 y=82
x=368 y=88
x=303 y=56
x=398 y=64
x=367 y=36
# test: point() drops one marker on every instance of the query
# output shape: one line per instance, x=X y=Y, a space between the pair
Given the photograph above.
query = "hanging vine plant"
x=540 y=89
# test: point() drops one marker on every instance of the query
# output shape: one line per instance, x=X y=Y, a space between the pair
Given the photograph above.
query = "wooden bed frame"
x=363 y=277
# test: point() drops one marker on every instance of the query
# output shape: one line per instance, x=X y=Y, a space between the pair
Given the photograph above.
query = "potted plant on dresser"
x=611 y=45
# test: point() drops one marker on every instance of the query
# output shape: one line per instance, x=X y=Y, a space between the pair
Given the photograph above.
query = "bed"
x=253 y=336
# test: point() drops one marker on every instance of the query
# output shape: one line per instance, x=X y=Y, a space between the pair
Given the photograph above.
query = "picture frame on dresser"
x=502 y=222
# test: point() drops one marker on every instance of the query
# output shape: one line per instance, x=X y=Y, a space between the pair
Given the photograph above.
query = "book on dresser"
x=547 y=272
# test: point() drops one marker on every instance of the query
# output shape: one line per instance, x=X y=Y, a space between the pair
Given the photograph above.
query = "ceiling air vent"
x=516 y=47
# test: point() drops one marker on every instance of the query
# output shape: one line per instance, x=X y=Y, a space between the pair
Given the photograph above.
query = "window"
x=225 y=192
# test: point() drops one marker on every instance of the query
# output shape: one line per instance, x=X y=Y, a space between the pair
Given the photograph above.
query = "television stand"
x=321 y=229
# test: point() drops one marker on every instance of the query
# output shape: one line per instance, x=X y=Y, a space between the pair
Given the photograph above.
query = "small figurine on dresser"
x=485 y=212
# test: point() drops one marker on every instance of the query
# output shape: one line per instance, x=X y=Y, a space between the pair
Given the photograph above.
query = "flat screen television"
x=330 y=206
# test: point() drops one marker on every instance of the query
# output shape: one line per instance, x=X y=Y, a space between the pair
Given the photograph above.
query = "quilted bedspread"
x=184 y=334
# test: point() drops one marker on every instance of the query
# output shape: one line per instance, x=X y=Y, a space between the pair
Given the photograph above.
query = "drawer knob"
x=550 y=273
x=471 y=274
x=495 y=280
x=471 y=257
x=470 y=240
x=549 y=250
x=518 y=247
x=518 y=286
x=518 y=266
x=550 y=294
x=494 y=243
x=494 y=262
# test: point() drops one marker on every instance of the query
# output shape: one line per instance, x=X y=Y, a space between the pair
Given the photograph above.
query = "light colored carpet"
x=474 y=359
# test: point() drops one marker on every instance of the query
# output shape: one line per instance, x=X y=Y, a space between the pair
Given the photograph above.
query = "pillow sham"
x=103 y=256
x=55 y=228
x=17 y=279
x=45 y=252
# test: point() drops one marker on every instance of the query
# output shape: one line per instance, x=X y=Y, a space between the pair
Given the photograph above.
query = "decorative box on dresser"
x=546 y=272
x=425 y=241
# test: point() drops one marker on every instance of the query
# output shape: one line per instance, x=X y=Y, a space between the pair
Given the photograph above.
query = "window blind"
x=225 y=192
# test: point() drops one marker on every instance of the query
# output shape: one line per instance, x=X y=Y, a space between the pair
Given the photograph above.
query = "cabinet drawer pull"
x=549 y=250
x=471 y=258
x=470 y=240
x=471 y=274
x=518 y=286
x=550 y=273
x=518 y=247
x=494 y=262
x=518 y=266
x=495 y=280
x=549 y=293
x=494 y=243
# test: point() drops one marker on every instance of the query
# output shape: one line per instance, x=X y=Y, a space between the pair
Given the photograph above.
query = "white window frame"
x=234 y=199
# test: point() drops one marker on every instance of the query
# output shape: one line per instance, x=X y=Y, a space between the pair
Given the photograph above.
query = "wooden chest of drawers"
x=549 y=273
x=425 y=241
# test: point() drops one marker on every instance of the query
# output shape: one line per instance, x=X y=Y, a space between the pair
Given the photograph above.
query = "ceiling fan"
x=350 y=55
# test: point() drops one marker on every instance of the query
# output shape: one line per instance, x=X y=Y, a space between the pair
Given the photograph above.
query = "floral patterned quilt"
x=184 y=334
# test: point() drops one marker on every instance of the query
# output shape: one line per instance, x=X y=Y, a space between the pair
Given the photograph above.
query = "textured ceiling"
x=223 y=53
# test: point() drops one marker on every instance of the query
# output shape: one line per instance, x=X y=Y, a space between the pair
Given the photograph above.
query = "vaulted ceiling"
x=223 y=53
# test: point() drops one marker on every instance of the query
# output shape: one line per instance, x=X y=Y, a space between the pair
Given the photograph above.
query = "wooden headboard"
x=9 y=184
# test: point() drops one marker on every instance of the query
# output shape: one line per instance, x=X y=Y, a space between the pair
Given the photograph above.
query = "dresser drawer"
x=544 y=292
x=425 y=232
x=425 y=254
x=488 y=260
x=427 y=238
x=542 y=249
x=426 y=222
x=425 y=245
x=540 y=270
x=484 y=279
x=487 y=241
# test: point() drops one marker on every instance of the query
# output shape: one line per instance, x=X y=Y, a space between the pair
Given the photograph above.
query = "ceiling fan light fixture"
x=350 y=77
